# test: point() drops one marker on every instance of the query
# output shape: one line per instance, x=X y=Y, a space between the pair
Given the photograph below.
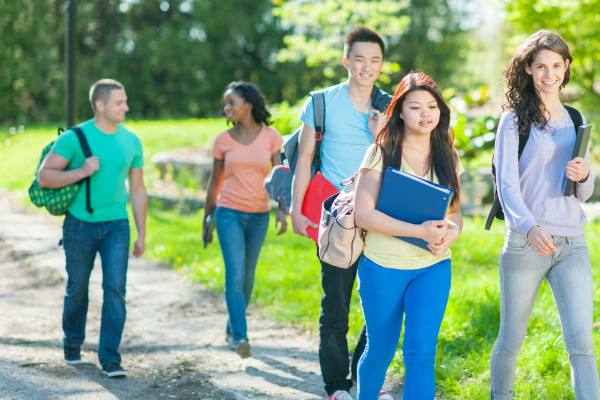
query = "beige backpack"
x=341 y=242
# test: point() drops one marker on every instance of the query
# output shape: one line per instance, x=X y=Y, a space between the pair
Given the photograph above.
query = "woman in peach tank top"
x=243 y=157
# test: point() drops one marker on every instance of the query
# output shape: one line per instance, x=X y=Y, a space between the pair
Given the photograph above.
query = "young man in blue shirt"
x=351 y=124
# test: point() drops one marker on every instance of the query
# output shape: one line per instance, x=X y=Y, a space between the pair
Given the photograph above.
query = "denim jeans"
x=388 y=296
x=241 y=236
x=568 y=272
x=337 y=286
x=81 y=241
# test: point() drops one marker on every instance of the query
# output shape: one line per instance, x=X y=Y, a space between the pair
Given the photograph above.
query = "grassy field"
x=288 y=277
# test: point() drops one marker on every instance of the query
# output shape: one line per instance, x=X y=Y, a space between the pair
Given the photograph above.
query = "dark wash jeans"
x=81 y=241
x=337 y=286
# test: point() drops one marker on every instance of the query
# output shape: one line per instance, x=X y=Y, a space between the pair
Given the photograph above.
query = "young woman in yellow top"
x=398 y=280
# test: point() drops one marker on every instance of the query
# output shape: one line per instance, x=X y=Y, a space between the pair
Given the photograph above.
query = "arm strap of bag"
x=87 y=152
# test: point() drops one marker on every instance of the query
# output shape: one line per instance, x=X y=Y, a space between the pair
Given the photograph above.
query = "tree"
x=316 y=31
x=420 y=35
x=577 y=23
x=30 y=80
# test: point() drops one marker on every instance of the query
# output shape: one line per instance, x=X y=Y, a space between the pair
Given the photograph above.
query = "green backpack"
x=57 y=201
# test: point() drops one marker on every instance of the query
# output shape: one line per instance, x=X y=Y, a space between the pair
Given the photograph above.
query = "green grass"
x=288 y=276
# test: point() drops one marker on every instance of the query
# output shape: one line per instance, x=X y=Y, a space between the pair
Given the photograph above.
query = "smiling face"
x=547 y=71
x=364 y=63
x=235 y=107
x=115 y=107
x=420 y=112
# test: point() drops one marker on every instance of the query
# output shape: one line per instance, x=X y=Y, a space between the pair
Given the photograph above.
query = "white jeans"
x=568 y=271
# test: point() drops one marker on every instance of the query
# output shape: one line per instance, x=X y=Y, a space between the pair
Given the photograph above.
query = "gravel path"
x=173 y=346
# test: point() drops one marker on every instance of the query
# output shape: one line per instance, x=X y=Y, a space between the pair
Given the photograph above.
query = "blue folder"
x=410 y=198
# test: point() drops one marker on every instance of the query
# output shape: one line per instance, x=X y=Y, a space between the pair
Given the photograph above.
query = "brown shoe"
x=243 y=349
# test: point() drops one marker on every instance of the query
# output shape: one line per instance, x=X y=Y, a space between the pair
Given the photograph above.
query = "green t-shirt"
x=118 y=153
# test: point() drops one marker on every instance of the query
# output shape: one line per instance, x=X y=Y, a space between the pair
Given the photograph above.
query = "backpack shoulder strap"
x=87 y=152
x=85 y=146
x=496 y=206
x=575 y=116
x=318 y=101
x=522 y=142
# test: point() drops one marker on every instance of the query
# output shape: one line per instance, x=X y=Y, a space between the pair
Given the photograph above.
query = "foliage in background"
x=316 y=35
x=31 y=80
x=176 y=56
x=418 y=34
x=579 y=24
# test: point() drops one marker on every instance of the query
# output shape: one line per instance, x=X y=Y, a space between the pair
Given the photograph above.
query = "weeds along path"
x=173 y=346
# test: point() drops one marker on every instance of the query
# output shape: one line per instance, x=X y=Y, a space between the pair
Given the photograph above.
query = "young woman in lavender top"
x=545 y=235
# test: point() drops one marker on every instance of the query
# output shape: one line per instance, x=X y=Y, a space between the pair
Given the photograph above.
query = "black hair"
x=443 y=157
x=363 y=34
x=252 y=94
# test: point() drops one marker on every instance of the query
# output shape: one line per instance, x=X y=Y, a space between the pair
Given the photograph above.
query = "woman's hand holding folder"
x=433 y=231
x=452 y=234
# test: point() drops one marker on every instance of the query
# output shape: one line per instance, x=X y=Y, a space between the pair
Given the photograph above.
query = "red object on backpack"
x=317 y=191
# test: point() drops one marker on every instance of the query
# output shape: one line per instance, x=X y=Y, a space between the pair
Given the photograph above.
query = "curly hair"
x=443 y=158
x=521 y=96
x=251 y=94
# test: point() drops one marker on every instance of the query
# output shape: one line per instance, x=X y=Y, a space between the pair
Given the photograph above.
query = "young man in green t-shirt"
x=117 y=156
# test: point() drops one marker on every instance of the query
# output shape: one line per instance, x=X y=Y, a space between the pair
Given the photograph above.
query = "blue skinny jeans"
x=241 y=236
x=388 y=296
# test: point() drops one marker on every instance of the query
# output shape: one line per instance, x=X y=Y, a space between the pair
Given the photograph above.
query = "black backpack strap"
x=318 y=101
x=496 y=206
x=575 y=117
x=87 y=152
x=493 y=212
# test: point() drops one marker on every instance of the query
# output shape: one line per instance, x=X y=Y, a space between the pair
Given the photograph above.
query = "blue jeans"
x=81 y=241
x=241 y=235
x=388 y=295
x=568 y=272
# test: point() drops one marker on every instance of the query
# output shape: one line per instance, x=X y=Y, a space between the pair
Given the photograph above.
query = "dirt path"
x=173 y=346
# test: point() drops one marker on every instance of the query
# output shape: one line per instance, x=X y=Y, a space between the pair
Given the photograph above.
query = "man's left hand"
x=138 y=247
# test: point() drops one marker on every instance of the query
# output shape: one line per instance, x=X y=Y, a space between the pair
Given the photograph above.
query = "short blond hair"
x=101 y=89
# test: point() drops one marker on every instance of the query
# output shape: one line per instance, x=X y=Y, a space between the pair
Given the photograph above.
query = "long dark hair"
x=521 y=96
x=251 y=94
x=443 y=157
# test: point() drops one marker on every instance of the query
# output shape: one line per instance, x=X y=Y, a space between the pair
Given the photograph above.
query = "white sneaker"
x=340 y=395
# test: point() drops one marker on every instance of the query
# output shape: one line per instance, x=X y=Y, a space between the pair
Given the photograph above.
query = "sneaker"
x=73 y=355
x=243 y=349
x=384 y=395
x=340 y=395
x=113 y=371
